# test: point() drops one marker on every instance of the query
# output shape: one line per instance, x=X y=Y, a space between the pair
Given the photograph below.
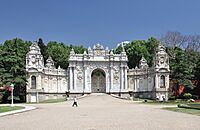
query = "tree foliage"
x=138 y=48
x=60 y=52
x=176 y=39
x=43 y=49
x=184 y=55
x=197 y=77
x=12 y=64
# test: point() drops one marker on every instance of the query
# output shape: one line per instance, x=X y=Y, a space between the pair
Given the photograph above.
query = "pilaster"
x=125 y=78
x=121 y=78
x=111 y=76
x=85 y=80
x=70 y=79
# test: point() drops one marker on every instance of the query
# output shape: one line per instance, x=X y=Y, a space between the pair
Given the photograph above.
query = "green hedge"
x=189 y=106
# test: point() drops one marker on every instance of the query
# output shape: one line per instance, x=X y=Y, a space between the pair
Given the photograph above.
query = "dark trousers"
x=75 y=104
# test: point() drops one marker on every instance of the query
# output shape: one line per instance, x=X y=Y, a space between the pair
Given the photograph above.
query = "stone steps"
x=98 y=94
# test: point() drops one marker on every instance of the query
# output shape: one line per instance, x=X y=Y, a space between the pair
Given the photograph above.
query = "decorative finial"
x=89 y=48
x=111 y=52
x=72 y=52
x=123 y=50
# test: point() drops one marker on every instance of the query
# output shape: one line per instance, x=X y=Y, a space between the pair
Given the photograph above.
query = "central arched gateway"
x=98 y=77
x=97 y=70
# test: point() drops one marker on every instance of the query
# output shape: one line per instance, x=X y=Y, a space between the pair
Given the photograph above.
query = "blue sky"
x=87 y=22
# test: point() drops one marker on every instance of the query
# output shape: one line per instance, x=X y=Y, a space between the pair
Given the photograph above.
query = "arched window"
x=33 y=82
x=162 y=81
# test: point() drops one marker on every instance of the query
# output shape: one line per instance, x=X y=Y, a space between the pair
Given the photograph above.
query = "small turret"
x=72 y=52
x=34 y=58
x=161 y=59
x=143 y=63
x=50 y=63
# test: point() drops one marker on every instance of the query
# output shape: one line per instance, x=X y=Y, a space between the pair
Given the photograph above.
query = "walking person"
x=75 y=102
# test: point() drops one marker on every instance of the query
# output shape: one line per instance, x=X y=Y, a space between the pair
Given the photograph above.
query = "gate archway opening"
x=98 y=77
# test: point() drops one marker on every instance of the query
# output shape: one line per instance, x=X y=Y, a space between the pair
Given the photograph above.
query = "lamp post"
x=12 y=87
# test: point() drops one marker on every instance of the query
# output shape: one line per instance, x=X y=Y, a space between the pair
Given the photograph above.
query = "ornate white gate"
x=98 y=81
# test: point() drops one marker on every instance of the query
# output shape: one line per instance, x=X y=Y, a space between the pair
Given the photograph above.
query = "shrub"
x=195 y=97
x=190 y=106
x=172 y=98
x=1 y=97
x=187 y=95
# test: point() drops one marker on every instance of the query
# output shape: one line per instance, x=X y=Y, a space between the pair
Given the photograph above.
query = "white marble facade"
x=112 y=66
x=43 y=81
x=97 y=70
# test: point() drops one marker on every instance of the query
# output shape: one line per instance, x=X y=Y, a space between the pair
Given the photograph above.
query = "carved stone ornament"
x=116 y=68
x=78 y=68
x=162 y=59
x=80 y=75
x=116 y=76
x=140 y=80
x=150 y=79
x=33 y=59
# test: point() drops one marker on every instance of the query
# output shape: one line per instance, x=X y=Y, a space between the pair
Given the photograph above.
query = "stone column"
x=74 y=78
x=85 y=80
x=125 y=78
x=135 y=84
x=70 y=79
x=30 y=85
x=138 y=84
x=111 y=77
x=58 y=84
x=38 y=82
x=156 y=81
x=121 y=78
x=167 y=81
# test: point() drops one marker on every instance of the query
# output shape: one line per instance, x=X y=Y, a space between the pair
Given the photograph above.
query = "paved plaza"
x=99 y=112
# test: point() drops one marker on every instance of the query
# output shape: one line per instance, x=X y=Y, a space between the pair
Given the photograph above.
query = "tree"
x=79 y=49
x=12 y=61
x=197 y=71
x=138 y=48
x=60 y=52
x=197 y=76
x=181 y=69
x=178 y=64
x=193 y=43
x=151 y=43
x=184 y=55
x=43 y=49
x=174 y=39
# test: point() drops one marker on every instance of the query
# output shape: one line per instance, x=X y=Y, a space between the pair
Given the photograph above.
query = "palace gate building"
x=98 y=70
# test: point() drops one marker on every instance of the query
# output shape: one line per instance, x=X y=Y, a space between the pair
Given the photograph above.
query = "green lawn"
x=154 y=102
x=169 y=102
x=9 y=108
x=183 y=110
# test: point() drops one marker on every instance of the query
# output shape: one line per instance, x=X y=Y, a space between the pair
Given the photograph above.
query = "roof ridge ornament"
x=89 y=48
x=123 y=51
x=72 y=51
x=143 y=63
x=50 y=62
x=98 y=46
x=34 y=48
x=111 y=52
